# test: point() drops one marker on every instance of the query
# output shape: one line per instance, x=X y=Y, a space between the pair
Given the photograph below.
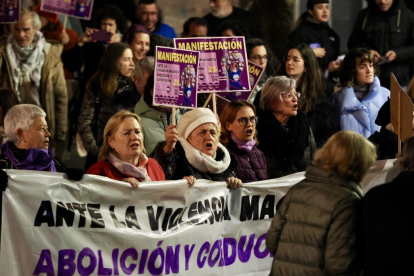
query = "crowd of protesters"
x=312 y=112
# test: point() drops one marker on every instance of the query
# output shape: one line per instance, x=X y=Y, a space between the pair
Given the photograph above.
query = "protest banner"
x=9 y=11
x=222 y=66
x=99 y=226
x=255 y=73
x=176 y=77
x=76 y=8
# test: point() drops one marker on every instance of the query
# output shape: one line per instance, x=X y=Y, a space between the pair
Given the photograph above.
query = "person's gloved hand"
x=74 y=174
x=4 y=179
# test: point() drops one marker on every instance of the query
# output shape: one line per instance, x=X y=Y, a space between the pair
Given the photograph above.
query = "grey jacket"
x=315 y=230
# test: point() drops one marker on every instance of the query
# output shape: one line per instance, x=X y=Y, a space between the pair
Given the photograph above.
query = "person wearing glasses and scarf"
x=238 y=134
x=285 y=136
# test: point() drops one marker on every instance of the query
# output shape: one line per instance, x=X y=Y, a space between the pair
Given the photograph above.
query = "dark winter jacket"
x=313 y=33
x=288 y=149
x=251 y=165
x=321 y=120
x=386 y=143
x=385 y=31
x=176 y=165
x=388 y=226
x=315 y=229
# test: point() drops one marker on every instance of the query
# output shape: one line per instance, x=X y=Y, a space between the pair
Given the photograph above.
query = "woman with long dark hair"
x=300 y=63
x=113 y=77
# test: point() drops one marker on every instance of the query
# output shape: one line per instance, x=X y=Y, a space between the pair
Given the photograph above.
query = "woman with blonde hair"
x=122 y=156
x=315 y=230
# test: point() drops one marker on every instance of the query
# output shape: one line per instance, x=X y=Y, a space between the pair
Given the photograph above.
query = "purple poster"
x=255 y=73
x=76 y=8
x=9 y=11
x=222 y=65
x=175 y=81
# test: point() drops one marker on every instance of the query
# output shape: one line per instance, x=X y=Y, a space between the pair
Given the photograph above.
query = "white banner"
x=52 y=226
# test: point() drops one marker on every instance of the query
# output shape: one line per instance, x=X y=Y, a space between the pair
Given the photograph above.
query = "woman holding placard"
x=193 y=148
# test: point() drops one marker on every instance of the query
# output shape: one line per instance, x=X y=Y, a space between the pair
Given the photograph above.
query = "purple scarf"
x=36 y=159
x=246 y=146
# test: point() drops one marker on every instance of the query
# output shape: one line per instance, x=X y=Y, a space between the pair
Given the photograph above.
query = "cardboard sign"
x=176 y=77
x=401 y=110
x=77 y=8
x=223 y=61
x=255 y=73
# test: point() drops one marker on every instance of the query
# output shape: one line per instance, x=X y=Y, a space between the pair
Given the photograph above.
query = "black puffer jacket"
x=385 y=31
x=310 y=33
x=176 y=165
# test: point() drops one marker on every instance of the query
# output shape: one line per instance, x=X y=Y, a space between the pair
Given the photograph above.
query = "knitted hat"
x=312 y=3
x=384 y=114
x=193 y=119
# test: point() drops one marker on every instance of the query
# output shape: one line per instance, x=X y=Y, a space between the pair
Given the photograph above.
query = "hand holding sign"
x=171 y=138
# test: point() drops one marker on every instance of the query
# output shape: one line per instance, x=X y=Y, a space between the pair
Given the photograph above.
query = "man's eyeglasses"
x=243 y=121
x=259 y=57
x=289 y=96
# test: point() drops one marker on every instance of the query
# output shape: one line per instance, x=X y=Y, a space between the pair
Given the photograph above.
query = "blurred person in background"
x=387 y=221
x=316 y=230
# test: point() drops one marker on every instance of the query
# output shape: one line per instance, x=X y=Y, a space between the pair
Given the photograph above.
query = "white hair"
x=20 y=116
x=35 y=17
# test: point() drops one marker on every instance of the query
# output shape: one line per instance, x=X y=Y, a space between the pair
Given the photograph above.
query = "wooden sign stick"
x=173 y=116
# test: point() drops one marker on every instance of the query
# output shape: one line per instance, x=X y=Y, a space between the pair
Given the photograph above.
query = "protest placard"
x=223 y=61
x=175 y=81
x=255 y=73
x=9 y=11
x=76 y=8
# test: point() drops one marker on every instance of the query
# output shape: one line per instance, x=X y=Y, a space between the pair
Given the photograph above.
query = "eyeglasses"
x=289 y=96
x=259 y=57
x=243 y=121
x=295 y=59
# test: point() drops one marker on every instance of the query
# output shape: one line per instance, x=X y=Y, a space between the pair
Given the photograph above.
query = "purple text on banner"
x=255 y=73
x=76 y=8
x=9 y=11
x=176 y=77
x=222 y=65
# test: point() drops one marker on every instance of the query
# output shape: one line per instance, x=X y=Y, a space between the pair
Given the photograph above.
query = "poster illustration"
x=76 y=8
x=222 y=65
x=9 y=11
x=255 y=73
x=176 y=73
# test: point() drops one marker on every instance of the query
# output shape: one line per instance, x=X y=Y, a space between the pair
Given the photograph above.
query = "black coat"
x=288 y=149
x=385 y=31
x=176 y=165
x=309 y=32
x=388 y=224
x=386 y=143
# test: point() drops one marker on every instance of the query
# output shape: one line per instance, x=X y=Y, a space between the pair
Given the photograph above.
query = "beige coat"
x=53 y=94
x=314 y=231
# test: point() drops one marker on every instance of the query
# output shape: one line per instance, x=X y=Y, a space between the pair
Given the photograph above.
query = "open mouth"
x=134 y=145
x=209 y=146
x=295 y=107
x=249 y=131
